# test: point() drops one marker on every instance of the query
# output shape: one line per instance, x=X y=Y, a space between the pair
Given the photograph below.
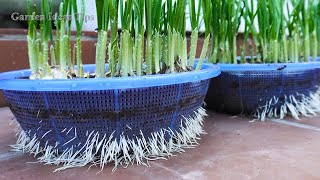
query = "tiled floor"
x=234 y=148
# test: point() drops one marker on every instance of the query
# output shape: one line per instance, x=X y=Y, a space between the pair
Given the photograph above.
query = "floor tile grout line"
x=294 y=124
x=9 y=155
x=168 y=169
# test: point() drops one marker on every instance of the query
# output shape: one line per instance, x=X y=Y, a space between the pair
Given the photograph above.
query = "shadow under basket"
x=266 y=91
x=121 y=120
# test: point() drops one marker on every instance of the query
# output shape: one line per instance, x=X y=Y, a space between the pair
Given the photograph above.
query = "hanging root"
x=305 y=106
x=99 y=150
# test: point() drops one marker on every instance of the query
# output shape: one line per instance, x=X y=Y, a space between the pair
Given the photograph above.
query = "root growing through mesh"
x=100 y=150
x=306 y=106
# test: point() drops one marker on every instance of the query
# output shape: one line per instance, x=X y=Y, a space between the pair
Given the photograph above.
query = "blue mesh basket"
x=245 y=88
x=49 y=109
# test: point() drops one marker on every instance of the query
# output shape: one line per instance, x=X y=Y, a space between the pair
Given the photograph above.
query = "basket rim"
x=271 y=66
x=10 y=80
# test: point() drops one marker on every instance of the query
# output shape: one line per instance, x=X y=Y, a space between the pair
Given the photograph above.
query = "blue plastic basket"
x=244 y=88
x=49 y=109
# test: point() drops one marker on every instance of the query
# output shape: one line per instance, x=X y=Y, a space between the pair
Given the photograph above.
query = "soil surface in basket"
x=165 y=70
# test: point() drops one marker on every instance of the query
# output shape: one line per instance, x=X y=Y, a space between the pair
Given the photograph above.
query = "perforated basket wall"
x=60 y=110
x=128 y=111
x=244 y=88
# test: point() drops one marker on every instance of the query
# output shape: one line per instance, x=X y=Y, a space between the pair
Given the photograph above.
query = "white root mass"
x=305 y=106
x=100 y=150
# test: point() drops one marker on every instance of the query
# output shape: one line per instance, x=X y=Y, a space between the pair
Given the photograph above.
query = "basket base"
x=102 y=151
